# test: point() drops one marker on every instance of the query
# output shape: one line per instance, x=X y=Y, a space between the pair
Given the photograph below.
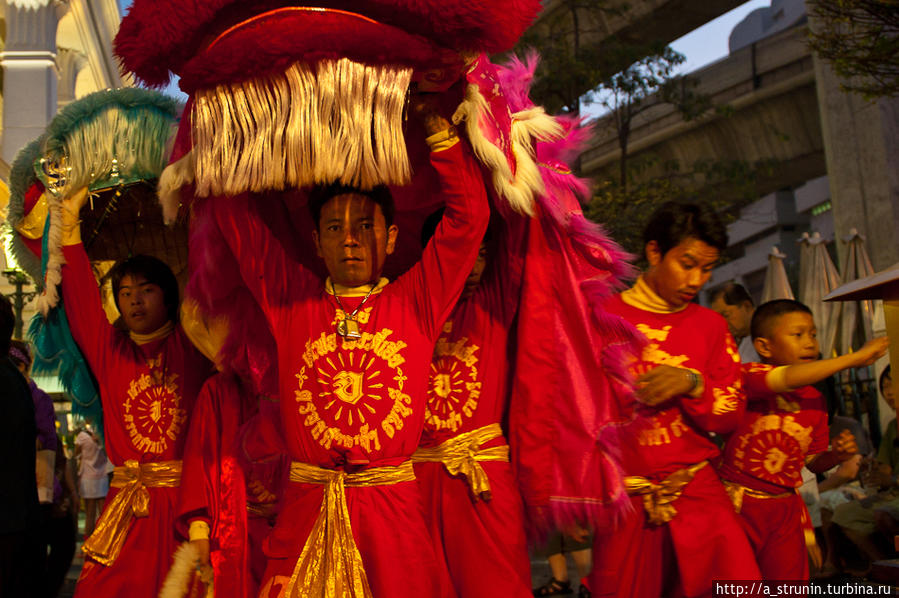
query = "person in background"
x=735 y=305
x=92 y=473
x=62 y=525
x=888 y=453
x=555 y=549
x=45 y=418
x=20 y=559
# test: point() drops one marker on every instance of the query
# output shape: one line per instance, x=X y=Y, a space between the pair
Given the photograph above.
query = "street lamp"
x=19 y=279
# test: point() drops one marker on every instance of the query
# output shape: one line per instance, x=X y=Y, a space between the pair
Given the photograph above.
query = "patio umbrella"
x=819 y=278
x=864 y=312
x=777 y=286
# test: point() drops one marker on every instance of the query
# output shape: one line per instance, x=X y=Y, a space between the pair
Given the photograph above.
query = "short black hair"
x=733 y=294
x=7 y=324
x=379 y=194
x=767 y=312
x=675 y=222
x=154 y=271
x=883 y=376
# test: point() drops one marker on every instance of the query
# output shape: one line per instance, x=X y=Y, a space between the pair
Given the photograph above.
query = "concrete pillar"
x=30 y=72
x=861 y=146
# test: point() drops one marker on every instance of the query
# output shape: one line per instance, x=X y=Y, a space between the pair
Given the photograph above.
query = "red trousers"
x=483 y=543
x=775 y=531
x=704 y=543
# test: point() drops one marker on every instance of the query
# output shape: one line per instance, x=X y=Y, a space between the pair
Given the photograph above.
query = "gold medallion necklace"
x=348 y=327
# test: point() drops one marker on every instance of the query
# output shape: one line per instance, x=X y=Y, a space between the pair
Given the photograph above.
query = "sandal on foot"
x=583 y=592
x=553 y=587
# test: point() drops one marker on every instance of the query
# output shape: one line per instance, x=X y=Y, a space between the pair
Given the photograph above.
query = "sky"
x=701 y=46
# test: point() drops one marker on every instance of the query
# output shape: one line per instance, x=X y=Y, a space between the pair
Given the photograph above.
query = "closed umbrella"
x=777 y=286
x=821 y=277
x=855 y=313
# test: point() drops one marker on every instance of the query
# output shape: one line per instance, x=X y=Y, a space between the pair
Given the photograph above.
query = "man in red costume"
x=472 y=505
x=682 y=533
x=353 y=357
x=227 y=505
x=149 y=377
x=785 y=427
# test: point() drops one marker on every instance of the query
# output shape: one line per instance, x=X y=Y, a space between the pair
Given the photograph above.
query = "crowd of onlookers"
x=39 y=518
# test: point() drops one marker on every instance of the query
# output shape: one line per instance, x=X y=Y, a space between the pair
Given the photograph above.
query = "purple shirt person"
x=44 y=414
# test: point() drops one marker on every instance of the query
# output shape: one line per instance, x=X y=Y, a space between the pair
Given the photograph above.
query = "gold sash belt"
x=658 y=499
x=330 y=565
x=738 y=491
x=461 y=454
x=133 y=500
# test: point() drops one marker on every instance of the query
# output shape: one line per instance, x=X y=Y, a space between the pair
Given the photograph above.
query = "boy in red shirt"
x=149 y=376
x=785 y=427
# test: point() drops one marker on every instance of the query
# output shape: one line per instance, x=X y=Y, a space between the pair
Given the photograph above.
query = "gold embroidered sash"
x=330 y=565
x=658 y=499
x=133 y=500
x=461 y=454
x=736 y=492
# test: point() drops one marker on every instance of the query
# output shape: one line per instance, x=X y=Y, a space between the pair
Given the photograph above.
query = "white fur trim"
x=521 y=188
x=179 y=575
x=175 y=176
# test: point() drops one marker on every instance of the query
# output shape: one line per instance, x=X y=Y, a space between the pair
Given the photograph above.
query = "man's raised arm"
x=448 y=258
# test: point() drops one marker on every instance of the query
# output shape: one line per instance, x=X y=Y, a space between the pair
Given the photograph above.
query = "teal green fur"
x=55 y=353
x=132 y=125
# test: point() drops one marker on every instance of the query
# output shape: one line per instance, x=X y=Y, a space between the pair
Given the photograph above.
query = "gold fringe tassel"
x=335 y=121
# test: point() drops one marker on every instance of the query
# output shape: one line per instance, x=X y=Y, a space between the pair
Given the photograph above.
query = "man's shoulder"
x=705 y=316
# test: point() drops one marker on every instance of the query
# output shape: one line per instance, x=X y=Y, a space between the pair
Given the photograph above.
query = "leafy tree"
x=647 y=82
x=569 y=62
x=723 y=185
x=860 y=38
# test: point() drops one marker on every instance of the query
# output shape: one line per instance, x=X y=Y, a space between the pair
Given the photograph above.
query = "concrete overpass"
x=773 y=116
x=632 y=23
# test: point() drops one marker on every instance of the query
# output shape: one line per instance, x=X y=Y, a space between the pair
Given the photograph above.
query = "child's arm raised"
x=798 y=375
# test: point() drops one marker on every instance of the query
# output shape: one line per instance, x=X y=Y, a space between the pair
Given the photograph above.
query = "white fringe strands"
x=334 y=121
x=521 y=187
x=124 y=143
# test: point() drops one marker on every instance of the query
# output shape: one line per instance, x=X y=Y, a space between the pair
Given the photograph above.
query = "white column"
x=30 y=73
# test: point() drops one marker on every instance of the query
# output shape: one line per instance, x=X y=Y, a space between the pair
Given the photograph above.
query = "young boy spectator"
x=785 y=427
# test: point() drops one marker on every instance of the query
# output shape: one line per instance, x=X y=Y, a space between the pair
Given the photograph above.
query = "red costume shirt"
x=468 y=377
x=148 y=393
x=661 y=439
x=469 y=390
x=359 y=403
x=780 y=429
x=238 y=499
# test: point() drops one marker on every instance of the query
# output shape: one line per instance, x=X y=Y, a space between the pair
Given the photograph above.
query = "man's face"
x=142 y=304
x=791 y=339
x=353 y=239
x=678 y=275
x=738 y=316
x=887 y=390
x=477 y=271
